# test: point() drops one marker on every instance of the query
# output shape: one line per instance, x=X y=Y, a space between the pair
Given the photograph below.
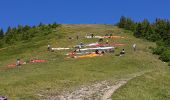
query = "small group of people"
x=33 y=60
x=123 y=50
x=79 y=46
x=101 y=40
x=19 y=62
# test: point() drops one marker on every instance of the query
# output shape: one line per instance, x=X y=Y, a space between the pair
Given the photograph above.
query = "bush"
x=165 y=56
x=168 y=63
x=159 y=50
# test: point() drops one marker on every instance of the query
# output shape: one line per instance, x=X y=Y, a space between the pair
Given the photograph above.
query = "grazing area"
x=135 y=75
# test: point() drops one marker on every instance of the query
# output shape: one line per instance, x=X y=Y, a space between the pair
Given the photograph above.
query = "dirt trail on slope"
x=97 y=91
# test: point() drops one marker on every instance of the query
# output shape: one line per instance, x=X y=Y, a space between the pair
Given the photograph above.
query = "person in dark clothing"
x=122 y=52
x=92 y=35
x=97 y=52
x=100 y=40
x=102 y=52
x=81 y=44
x=70 y=38
x=18 y=62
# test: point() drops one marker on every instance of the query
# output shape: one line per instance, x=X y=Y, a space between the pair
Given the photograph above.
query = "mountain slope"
x=59 y=74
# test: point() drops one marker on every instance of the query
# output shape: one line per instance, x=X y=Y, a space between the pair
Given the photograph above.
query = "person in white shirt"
x=49 y=48
x=134 y=47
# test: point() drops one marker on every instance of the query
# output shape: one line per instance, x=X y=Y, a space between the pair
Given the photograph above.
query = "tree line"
x=23 y=33
x=157 y=31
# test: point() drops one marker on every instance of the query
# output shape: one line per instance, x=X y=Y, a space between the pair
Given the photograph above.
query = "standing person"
x=134 y=47
x=77 y=37
x=49 y=47
x=79 y=47
x=18 y=62
x=92 y=35
x=107 y=41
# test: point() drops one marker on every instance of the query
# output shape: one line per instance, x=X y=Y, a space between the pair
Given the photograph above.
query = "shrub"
x=165 y=56
x=159 y=50
x=168 y=63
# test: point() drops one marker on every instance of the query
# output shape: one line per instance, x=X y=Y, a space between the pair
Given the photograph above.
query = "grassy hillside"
x=59 y=74
x=151 y=86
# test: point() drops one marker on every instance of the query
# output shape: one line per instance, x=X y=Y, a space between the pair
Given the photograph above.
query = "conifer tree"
x=122 y=22
x=1 y=33
x=139 y=30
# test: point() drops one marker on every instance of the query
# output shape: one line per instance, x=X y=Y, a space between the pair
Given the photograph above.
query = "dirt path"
x=97 y=91
x=112 y=89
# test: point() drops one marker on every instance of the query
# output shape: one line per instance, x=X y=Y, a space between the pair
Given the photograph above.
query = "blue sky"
x=32 y=12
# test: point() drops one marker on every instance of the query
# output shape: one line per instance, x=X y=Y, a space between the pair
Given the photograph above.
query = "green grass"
x=60 y=74
x=151 y=86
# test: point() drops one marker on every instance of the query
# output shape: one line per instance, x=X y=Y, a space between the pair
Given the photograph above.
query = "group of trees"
x=158 y=31
x=22 y=33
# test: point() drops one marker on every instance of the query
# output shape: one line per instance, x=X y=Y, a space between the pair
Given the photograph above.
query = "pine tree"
x=122 y=22
x=54 y=25
x=41 y=24
x=1 y=33
x=8 y=30
x=130 y=25
x=139 y=30
x=146 y=27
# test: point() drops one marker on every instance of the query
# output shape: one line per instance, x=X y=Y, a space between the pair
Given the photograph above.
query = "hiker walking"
x=134 y=47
